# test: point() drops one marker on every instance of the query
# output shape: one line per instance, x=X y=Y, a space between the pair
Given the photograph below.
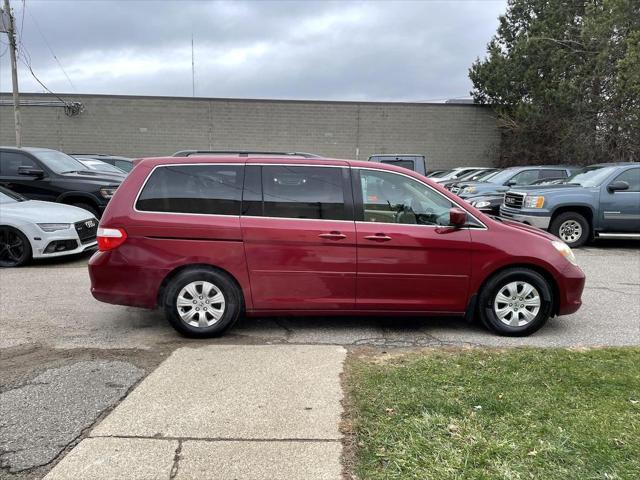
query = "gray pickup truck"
x=600 y=200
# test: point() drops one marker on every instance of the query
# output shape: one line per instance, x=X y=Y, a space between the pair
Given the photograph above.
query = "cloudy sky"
x=361 y=50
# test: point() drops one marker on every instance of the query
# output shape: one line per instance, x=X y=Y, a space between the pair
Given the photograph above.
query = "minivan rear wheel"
x=516 y=302
x=202 y=302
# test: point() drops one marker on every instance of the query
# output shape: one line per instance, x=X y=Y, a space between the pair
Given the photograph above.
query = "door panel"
x=299 y=237
x=418 y=268
x=620 y=210
x=293 y=264
x=408 y=256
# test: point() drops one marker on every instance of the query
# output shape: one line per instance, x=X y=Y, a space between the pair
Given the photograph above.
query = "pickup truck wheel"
x=572 y=228
x=515 y=302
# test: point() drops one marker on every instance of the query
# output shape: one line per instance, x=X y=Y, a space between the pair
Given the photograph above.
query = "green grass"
x=497 y=414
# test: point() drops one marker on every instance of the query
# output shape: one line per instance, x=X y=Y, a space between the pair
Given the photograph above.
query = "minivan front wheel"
x=202 y=302
x=516 y=302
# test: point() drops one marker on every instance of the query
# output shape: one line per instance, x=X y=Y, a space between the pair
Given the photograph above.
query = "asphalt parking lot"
x=59 y=346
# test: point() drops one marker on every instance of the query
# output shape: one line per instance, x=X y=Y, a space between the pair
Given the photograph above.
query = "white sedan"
x=34 y=229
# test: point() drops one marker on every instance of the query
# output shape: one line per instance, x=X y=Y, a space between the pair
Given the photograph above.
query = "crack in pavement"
x=176 y=460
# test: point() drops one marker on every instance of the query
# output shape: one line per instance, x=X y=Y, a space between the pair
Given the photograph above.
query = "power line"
x=51 y=50
x=71 y=108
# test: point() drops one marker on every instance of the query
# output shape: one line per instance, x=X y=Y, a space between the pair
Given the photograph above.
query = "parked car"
x=208 y=239
x=34 y=229
x=489 y=204
x=123 y=163
x=50 y=175
x=435 y=173
x=509 y=177
x=456 y=174
x=473 y=176
x=417 y=163
x=601 y=200
x=100 y=166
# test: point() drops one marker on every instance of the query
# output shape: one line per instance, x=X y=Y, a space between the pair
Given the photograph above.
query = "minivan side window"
x=392 y=198
x=204 y=189
x=303 y=192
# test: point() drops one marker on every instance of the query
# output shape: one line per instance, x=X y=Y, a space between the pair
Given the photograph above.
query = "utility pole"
x=11 y=33
x=193 y=70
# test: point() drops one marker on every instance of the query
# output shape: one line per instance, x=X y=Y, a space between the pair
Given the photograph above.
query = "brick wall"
x=449 y=134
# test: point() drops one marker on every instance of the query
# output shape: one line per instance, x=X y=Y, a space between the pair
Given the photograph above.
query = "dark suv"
x=50 y=175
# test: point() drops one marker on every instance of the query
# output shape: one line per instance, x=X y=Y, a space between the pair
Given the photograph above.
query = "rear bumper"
x=571 y=287
x=114 y=281
x=541 y=221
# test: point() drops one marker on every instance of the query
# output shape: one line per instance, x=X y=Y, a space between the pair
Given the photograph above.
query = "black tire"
x=233 y=302
x=15 y=249
x=90 y=208
x=561 y=228
x=498 y=283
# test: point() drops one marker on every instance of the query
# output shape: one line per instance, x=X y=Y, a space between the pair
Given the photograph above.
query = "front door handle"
x=378 y=237
x=333 y=236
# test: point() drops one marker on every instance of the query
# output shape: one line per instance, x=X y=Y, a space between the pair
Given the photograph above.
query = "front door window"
x=392 y=198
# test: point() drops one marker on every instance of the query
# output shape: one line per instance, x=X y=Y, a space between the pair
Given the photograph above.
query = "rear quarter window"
x=203 y=189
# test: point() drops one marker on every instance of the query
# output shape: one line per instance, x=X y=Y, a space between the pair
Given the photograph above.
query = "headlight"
x=565 y=251
x=107 y=192
x=54 y=227
x=481 y=204
x=468 y=189
x=535 y=201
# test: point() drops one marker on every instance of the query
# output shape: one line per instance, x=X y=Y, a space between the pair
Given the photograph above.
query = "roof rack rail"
x=242 y=153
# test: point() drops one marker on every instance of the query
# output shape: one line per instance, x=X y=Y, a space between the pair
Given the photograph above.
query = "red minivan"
x=211 y=238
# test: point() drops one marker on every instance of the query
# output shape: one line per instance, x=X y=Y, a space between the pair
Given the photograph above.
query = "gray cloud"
x=374 y=50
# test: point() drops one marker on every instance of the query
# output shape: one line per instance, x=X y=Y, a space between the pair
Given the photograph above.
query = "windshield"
x=452 y=174
x=501 y=177
x=7 y=196
x=487 y=175
x=590 y=176
x=101 y=166
x=59 y=162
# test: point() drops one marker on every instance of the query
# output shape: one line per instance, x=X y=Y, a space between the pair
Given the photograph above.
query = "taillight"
x=110 y=238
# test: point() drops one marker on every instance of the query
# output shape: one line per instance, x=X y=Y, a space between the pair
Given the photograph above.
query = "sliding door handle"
x=333 y=236
x=378 y=237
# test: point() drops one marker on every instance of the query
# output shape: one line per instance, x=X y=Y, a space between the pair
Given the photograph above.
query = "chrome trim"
x=618 y=235
x=483 y=225
x=291 y=218
x=243 y=164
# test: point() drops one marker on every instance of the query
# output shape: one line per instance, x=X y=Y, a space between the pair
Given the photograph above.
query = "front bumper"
x=571 y=287
x=540 y=220
x=63 y=242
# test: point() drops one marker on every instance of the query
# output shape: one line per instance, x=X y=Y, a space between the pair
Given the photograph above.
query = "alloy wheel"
x=517 y=304
x=12 y=248
x=200 y=304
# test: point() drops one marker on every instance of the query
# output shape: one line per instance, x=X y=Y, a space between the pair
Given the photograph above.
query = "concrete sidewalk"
x=223 y=412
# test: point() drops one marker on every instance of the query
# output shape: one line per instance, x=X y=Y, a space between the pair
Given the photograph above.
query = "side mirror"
x=511 y=183
x=31 y=172
x=457 y=217
x=617 y=186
